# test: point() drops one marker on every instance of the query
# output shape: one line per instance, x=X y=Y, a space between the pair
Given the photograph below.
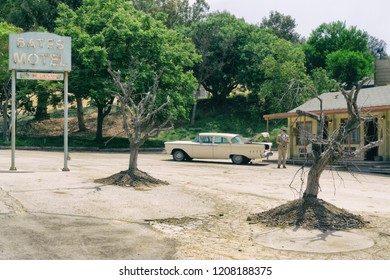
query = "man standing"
x=283 y=141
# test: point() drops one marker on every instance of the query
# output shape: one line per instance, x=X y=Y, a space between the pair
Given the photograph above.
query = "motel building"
x=373 y=101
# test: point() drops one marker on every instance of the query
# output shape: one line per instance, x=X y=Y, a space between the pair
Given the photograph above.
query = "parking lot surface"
x=47 y=213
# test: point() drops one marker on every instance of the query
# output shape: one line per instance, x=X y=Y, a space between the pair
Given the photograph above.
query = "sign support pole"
x=13 y=120
x=39 y=51
x=66 y=153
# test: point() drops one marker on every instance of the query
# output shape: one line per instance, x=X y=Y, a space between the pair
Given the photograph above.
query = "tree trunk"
x=100 y=118
x=197 y=94
x=5 y=122
x=313 y=182
x=99 y=127
x=80 y=114
x=43 y=100
x=194 y=112
x=320 y=162
x=133 y=162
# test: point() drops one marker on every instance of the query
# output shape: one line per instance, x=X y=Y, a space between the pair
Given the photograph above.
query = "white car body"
x=219 y=146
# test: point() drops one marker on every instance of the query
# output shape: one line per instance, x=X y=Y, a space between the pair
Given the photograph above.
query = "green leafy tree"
x=5 y=30
x=45 y=94
x=281 y=26
x=5 y=76
x=32 y=14
x=284 y=63
x=236 y=53
x=28 y=14
x=253 y=54
x=328 y=38
x=220 y=40
x=270 y=65
x=342 y=51
x=349 y=66
x=114 y=31
x=174 y=13
x=321 y=82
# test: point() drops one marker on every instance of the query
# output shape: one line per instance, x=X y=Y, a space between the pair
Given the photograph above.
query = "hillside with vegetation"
x=240 y=114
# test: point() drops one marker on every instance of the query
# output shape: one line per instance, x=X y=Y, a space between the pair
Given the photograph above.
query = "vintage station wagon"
x=219 y=146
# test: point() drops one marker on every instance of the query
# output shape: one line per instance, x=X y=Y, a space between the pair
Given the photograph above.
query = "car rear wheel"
x=239 y=159
x=179 y=155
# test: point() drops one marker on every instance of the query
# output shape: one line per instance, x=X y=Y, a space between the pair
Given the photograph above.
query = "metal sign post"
x=39 y=51
x=13 y=120
x=66 y=153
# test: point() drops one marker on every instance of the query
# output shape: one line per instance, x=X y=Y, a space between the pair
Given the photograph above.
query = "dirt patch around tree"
x=136 y=179
x=309 y=213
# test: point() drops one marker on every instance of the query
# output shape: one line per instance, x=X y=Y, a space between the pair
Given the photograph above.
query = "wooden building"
x=373 y=101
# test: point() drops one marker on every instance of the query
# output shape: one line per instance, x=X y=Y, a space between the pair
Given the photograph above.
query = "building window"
x=304 y=133
x=353 y=137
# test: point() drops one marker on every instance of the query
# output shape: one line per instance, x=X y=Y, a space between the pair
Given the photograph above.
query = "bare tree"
x=141 y=120
x=309 y=211
x=327 y=152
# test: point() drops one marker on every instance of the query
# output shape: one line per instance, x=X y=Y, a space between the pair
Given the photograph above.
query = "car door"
x=205 y=147
x=221 y=148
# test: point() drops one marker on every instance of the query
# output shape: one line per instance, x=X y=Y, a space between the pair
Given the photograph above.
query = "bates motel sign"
x=39 y=51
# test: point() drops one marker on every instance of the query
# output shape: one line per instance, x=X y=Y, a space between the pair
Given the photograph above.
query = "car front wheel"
x=179 y=155
x=238 y=159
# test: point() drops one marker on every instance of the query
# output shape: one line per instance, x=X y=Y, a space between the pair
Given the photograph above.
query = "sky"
x=372 y=16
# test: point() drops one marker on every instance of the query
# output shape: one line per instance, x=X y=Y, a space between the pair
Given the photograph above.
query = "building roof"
x=369 y=99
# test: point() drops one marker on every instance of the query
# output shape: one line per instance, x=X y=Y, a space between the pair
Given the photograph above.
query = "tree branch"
x=309 y=114
x=367 y=147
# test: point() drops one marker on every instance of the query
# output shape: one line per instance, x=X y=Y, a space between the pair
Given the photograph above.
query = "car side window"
x=206 y=139
x=220 y=140
x=237 y=140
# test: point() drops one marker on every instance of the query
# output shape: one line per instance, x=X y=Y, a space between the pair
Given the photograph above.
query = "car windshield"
x=238 y=140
